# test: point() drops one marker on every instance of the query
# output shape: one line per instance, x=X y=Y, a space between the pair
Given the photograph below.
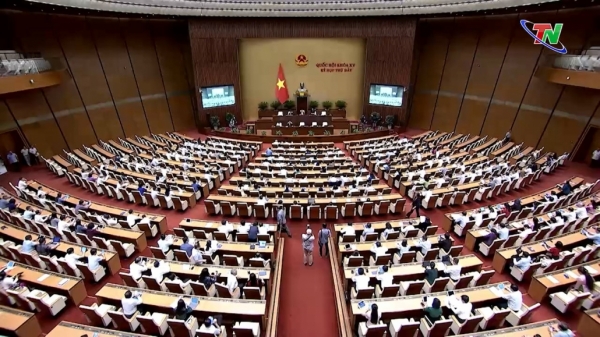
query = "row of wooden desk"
x=527 y=201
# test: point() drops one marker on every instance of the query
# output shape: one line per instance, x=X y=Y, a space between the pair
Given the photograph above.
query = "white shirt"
x=62 y=225
x=22 y=184
x=581 y=212
x=348 y=230
x=165 y=244
x=211 y=329
x=596 y=155
x=129 y=305
x=131 y=218
x=232 y=282
x=424 y=245
x=453 y=271
x=136 y=269
x=386 y=279
x=159 y=273
x=243 y=229
x=8 y=282
x=515 y=300
x=228 y=228
x=378 y=250
x=361 y=281
x=462 y=310
x=261 y=202
x=71 y=260
x=94 y=261
x=39 y=218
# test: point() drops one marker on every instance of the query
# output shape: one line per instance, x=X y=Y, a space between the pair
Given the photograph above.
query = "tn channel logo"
x=545 y=34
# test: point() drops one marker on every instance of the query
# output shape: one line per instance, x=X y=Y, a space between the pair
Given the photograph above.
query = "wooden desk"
x=539 y=328
x=234 y=248
x=484 y=145
x=155 y=142
x=138 y=145
x=351 y=143
x=68 y=329
x=521 y=155
x=543 y=285
x=296 y=190
x=339 y=202
x=411 y=271
x=102 y=151
x=534 y=249
x=17 y=235
x=282 y=181
x=575 y=182
x=212 y=226
x=18 y=322
x=467 y=143
x=121 y=148
x=119 y=213
x=158 y=301
x=411 y=307
x=301 y=130
x=63 y=162
x=91 y=161
x=73 y=289
x=502 y=150
x=450 y=140
x=589 y=323
x=435 y=138
x=364 y=248
x=378 y=226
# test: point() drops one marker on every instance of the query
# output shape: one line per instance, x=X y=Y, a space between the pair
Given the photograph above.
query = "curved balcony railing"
x=576 y=62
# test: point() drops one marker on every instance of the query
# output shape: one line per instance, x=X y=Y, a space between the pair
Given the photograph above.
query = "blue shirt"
x=28 y=246
x=3 y=204
x=187 y=248
x=12 y=158
x=594 y=237
x=566 y=189
x=196 y=187
x=253 y=233
x=269 y=153
x=142 y=190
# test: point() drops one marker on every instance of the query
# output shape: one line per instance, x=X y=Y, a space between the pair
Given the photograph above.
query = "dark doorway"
x=589 y=143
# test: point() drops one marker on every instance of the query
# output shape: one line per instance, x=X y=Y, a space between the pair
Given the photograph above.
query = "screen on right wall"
x=382 y=94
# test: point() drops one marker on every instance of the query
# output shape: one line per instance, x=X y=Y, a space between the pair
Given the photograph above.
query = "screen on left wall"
x=222 y=95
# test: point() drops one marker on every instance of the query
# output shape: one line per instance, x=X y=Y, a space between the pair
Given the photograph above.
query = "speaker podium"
x=301 y=103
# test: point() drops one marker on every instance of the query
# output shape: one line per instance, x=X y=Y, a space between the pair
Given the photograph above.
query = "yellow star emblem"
x=280 y=84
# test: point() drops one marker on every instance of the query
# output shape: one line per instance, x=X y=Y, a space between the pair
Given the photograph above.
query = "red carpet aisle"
x=307 y=306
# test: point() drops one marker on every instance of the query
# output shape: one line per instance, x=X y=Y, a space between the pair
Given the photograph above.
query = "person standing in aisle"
x=308 y=244
x=281 y=223
x=13 y=160
x=25 y=153
x=324 y=235
x=417 y=204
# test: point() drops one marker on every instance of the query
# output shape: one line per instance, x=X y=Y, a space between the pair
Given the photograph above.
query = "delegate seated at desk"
x=461 y=307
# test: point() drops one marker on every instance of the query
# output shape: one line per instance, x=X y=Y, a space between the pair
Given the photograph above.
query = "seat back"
x=414 y=288
x=349 y=238
x=151 y=283
x=199 y=289
x=484 y=278
x=222 y=291
x=498 y=318
x=439 y=328
x=226 y=208
x=463 y=282
x=371 y=237
x=331 y=212
x=119 y=320
x=252 y=293
x=50 y=264
x=174 y=287
x=527 y=315
x=355 y=261
x=181 y=255
x=393 y=235
x=367 y=208
x=383 y=260
x=158 y=253
x=210 y=207
x=365 y=293
x=376 y=330
x=91 y=315
x=67 y=269
x=349 y=209
x=241 y=331
x=408 y=257
x=296 y=212
x=314 y=212
x=390 y=291
x=439 y=284
x=230 y=260
x=260 y=211
x=470 y=324
x=384 y=207
x=128 y=280
x=219 y=236
x=147 y=323
x=432 y=254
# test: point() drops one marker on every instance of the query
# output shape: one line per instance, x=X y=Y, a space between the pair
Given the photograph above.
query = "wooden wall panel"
x=573 y=112
x=7 y=121
x=117 y=68
x=457 y=69
x=147 y=73
x=36 y=121
x=496 y=32
x=432 y=57
x=173 y=71
x=214 y=44
x=517 y=70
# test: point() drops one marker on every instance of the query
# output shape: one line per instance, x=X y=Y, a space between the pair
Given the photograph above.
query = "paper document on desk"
x=186 y=267
x=552 y=279
x=496 y=291
x=208 y=225
x=572 y=274
x=333 y=201
x=63 y=281
x=43 y=277
x=348 y=200
x=591 y=270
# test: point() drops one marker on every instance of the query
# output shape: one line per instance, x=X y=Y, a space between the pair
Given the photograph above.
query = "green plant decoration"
x=295 y=133
x=228 y=117
x=221 y=129
x=263 y=105
x=355 y=130
x=327 y=105
x=264 y=133
x=278 y=133
x=235 y=130
x=389 y=120
x=326 y=133
x=343 y=132
x=311 y=133
x=375 y=118
x=275 y=105
x=340 y=104
x=215 y=122
x=289 y=104
x=313 y=104
x=249 y=132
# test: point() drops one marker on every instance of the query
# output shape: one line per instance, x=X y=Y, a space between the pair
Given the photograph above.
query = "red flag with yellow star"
x=281 y=90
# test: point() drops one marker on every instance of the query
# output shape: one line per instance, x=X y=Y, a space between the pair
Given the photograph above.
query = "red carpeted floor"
x=306 y=300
